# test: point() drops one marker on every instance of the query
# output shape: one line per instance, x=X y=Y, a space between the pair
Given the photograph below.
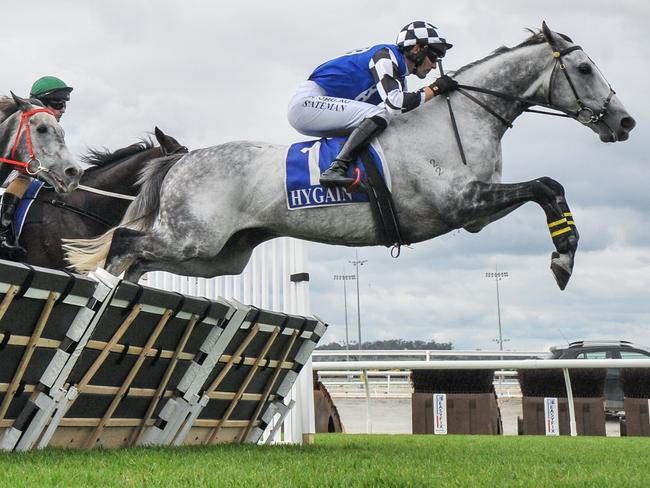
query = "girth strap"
x=381 y=204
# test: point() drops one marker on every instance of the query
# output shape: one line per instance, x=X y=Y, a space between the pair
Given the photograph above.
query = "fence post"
x=569 y=399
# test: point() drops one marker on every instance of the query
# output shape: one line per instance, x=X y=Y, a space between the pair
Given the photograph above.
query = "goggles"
x=55 y=104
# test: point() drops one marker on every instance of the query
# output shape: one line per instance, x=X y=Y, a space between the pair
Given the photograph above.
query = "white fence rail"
x=484 y=364
x=426 y=354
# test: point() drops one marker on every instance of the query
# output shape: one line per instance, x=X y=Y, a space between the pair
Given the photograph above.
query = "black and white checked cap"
x=420 y=32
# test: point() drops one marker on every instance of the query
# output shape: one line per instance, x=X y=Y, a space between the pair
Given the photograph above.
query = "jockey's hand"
x=444 y=84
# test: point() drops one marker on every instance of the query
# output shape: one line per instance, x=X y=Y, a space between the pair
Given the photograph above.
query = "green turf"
x=349 y=460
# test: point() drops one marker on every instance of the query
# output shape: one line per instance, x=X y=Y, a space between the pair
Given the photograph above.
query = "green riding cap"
x=50 y=87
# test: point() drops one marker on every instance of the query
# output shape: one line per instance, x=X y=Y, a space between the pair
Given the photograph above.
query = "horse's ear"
x=159 y=134
x=168 y=143
x=548 y=34
x=22 y=104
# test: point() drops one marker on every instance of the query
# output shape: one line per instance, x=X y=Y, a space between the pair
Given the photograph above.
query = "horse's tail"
x=85 y=255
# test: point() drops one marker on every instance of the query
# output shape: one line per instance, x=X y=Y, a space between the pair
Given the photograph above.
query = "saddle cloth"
x=307 y=160
x=25 y=204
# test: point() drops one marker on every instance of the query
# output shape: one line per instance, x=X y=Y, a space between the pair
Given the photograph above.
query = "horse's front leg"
x=482 y=203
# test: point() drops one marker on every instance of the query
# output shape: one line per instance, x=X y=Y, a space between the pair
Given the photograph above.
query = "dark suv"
x=604 y=350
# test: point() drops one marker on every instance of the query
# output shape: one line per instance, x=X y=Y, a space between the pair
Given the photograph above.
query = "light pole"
x=356 y=264
x=497 y=277
x=345 y=278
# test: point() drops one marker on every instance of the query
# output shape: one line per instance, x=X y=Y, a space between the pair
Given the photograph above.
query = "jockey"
x=53 y=93
x=358 y=93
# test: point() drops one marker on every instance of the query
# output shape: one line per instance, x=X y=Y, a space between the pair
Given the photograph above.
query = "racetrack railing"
x=520 y=364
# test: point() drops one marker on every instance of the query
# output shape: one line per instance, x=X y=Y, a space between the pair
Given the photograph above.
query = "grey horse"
x=32 y=139
x=209 y=225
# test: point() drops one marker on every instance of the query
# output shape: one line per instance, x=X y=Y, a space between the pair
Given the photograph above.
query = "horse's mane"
x=103 y=157
x=536 y=37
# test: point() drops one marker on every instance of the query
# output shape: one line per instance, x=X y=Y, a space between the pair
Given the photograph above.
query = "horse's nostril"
x=628 y=123
x=71 y=171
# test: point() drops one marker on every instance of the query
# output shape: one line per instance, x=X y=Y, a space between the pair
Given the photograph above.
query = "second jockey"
x=358 y=93
x=54 y=94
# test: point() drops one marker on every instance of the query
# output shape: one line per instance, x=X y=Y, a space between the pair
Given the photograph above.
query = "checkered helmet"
x=424 y=34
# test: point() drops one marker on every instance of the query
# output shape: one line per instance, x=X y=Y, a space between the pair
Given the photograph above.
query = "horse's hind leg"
x=482 y=203
x=129 y=250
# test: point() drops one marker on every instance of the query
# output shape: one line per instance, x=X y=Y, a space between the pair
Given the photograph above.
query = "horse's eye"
x=41 y=129
x=585 y=69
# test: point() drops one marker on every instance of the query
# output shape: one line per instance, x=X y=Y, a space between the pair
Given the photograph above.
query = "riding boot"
x=9 y=245
x=335 y=175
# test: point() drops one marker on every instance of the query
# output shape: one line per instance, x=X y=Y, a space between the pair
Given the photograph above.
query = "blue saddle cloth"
x=24 y=205
x=307 y=160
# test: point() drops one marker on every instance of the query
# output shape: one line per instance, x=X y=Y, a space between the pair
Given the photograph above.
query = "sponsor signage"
x=440 y=413
x=551 y=416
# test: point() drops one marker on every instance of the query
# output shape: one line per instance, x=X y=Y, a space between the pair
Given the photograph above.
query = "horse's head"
x=577 y=87
x=36 y=138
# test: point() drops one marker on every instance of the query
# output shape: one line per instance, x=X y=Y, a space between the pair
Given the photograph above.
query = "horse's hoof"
x=562 y=267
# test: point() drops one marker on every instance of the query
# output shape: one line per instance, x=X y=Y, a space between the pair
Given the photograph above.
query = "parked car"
x=604 y=350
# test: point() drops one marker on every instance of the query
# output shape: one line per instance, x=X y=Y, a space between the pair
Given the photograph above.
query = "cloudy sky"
x=211 y=72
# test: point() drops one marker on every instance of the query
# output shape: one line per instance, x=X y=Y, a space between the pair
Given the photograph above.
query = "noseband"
x=26 y=166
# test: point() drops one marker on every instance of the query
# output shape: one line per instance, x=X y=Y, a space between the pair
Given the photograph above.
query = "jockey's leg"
x=335 y=175
x=8 y=239
x=313 y=113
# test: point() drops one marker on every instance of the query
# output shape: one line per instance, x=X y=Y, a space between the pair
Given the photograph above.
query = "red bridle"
x=24 y=124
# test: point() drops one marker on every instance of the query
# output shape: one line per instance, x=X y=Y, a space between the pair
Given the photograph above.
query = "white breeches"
x=313 y=113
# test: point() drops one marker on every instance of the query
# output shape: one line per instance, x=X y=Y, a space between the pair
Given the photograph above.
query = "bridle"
x=583 y=114
x=23 y=128
x=590 y=116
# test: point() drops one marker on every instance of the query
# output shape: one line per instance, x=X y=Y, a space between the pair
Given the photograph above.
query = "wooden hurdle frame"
x=87 y=397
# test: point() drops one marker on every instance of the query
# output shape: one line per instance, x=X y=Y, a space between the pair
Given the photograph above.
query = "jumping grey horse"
x=31 y=139
x=207 y=213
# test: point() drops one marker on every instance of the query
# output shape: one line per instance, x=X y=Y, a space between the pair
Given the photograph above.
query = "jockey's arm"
x=385 y=71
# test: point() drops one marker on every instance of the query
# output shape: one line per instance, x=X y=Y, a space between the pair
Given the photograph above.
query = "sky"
x=213 y=72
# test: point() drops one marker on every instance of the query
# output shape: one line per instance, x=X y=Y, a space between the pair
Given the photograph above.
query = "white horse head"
x=32 y=136
x=577 y=87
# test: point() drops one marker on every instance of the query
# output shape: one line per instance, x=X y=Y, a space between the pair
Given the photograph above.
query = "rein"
x=106 y=193
x=24 y=124
x=87 y=213
x=80 y=211
x=589 y=115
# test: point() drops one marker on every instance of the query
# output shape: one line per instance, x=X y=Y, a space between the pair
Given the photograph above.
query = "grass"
x=348 y=461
